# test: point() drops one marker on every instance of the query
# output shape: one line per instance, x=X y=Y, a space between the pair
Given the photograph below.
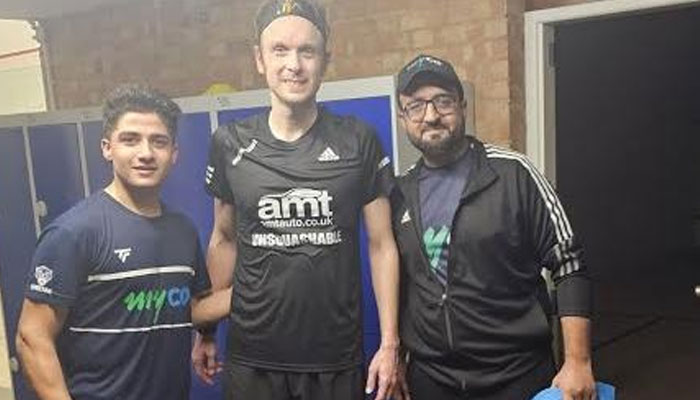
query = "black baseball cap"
x=428 y=69
x=308 y=9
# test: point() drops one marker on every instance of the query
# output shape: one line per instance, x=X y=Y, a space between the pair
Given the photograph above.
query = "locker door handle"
x=14 y=365
x=41 y=209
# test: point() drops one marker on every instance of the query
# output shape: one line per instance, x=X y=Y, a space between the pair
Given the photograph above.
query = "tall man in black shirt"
x=289 y=186
x=475 y=225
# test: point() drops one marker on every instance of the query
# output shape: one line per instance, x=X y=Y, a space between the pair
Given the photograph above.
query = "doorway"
x=622 y=140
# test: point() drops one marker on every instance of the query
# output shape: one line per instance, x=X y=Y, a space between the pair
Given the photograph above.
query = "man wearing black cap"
x=475 y=224
x=289 y=185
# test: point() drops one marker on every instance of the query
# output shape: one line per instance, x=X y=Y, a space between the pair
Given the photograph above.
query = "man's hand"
x=575 y=380
x=382 y=372
x=401 y=391
x=204 y=358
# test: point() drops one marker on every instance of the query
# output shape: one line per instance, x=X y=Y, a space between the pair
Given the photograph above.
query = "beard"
x=444 y=147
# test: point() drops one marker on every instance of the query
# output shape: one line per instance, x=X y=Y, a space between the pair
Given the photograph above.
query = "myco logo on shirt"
x=156 y=299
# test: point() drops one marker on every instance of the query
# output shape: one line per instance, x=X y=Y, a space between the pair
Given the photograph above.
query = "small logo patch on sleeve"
x=43 y=276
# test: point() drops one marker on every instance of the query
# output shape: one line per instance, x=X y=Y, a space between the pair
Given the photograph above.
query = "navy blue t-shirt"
x=126 y=281
x=440 y=191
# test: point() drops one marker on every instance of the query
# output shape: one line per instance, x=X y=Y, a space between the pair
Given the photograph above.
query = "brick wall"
x=179 y=46
x=183 y=46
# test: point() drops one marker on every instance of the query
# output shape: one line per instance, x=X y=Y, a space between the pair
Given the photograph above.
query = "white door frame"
x=540 y=118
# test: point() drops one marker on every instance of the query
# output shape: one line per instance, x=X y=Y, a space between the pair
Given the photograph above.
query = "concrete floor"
x=647 y=333
x=659 y=361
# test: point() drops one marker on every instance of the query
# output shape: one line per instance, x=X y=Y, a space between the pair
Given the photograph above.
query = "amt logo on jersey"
x=294 y=204
x=296 y=211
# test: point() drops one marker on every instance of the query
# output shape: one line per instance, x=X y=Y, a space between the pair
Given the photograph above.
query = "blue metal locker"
x=376 y=112
x=184 y=190
x=99 y=171
x=17 y=236
x=57 y=172
x=227 y=116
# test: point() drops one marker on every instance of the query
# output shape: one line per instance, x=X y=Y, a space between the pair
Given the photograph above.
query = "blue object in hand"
x=604 y=390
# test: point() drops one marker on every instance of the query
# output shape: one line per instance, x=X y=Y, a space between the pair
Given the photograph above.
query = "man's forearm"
x=40 y=365
x=211 y=308
x=576 y=334
x=221 y=258
x=575 y=378
x=223 y=247
x=385 y=282
x=384 y=264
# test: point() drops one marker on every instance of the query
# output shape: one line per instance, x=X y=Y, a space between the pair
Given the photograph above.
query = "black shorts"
x=242 y=382
x=423 y=387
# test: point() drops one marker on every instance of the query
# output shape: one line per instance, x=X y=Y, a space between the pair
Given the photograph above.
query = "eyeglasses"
x=444 y=104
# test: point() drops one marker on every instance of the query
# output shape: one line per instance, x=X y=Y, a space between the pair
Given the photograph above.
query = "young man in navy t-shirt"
x=107 y=308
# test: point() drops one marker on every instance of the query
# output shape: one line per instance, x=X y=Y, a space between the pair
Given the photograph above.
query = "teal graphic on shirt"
x=440 y=192
x=155 y=299
x=435 y=244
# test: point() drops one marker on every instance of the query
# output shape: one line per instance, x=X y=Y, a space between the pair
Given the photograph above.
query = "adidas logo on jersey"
x=328 y=155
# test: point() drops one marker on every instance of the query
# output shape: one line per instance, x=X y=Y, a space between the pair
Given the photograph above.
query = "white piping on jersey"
x=556 y=212
x=130 y=330
x=384 y=162
x=409 y=169
x=173 y=269
x=209 y=175
x=561 y=224
x=243 y=150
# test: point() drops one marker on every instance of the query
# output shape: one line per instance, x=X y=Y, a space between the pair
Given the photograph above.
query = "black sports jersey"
x=127 y=281
x=297 y=287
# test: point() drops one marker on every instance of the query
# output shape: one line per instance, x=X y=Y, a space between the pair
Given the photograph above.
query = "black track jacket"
x=490 y=324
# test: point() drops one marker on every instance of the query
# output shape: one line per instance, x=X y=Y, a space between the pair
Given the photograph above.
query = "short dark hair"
x=139 y=99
